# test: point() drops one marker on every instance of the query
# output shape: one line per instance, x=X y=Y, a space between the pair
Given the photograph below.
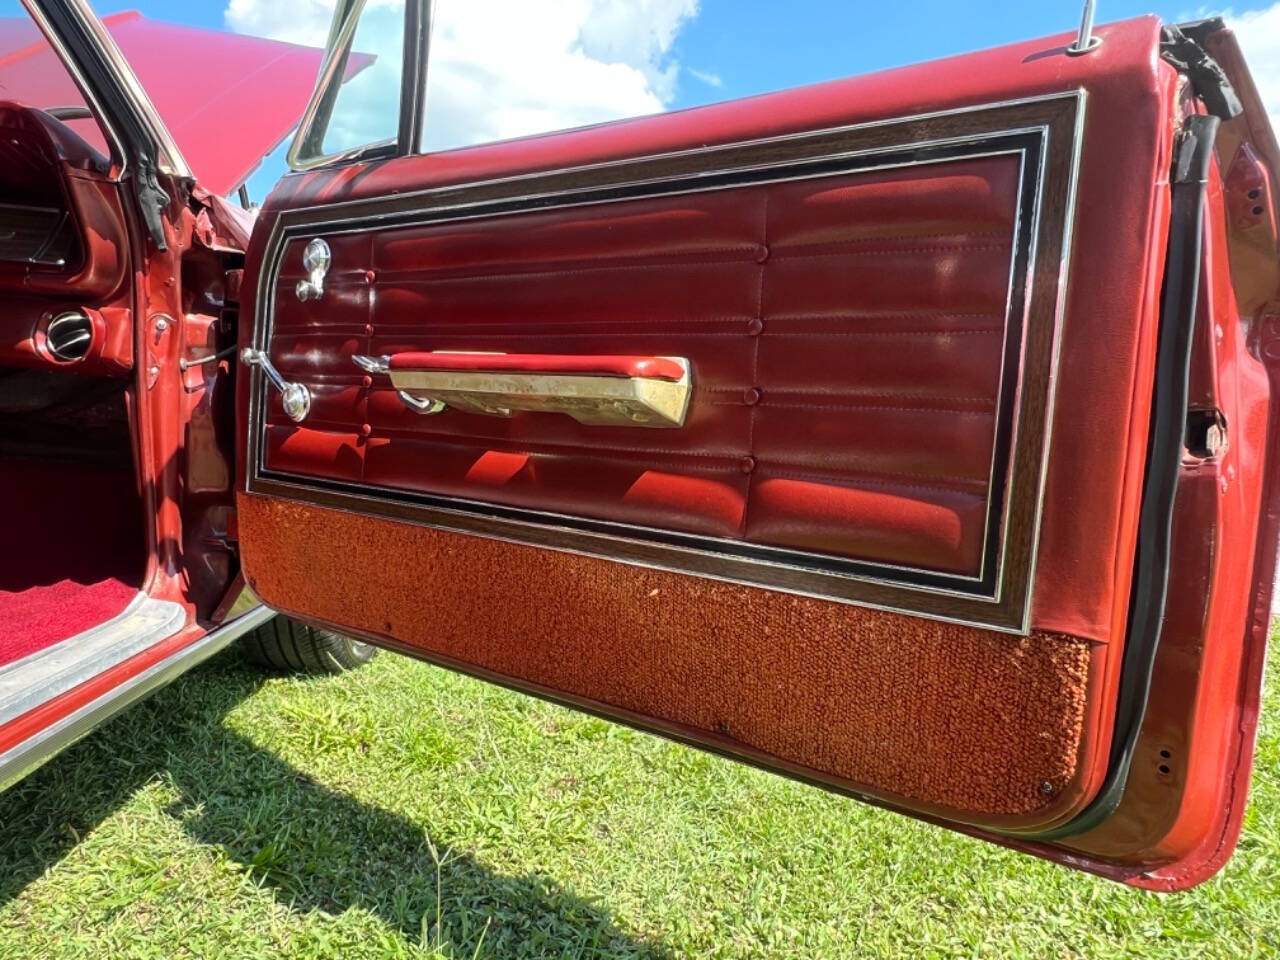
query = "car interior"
x=116 y=401
x=74 y=546
x=75 y=540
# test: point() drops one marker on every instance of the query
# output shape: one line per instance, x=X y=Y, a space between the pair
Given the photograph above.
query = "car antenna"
x=1086 y=40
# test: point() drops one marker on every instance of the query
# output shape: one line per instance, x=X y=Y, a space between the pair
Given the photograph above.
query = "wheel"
x=283 y=644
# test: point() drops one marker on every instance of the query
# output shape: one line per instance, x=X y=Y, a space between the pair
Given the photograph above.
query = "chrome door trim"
x=20 y=760
x=1077 y=94
x=1059 y=316
x=139 y=104
x=54 y=670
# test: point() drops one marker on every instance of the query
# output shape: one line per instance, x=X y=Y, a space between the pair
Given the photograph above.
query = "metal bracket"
x=152 y=200
x=423 y=405
x=372 y=364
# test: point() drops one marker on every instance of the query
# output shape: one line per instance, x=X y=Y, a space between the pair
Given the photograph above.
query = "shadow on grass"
x=316 y=848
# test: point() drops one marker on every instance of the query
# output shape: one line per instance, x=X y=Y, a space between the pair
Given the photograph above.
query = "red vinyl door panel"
x=846 y=383
x=881 y=535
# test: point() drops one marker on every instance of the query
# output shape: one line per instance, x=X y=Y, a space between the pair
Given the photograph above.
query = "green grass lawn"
x=405 y=811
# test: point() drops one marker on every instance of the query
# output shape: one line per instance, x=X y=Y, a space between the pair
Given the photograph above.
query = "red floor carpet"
x=70 y=551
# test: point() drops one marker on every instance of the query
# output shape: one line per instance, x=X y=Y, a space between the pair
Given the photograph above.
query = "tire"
x=287 y=646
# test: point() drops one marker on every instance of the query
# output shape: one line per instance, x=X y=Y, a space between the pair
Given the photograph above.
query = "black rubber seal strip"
x=1179 y=298
x=1182 y=49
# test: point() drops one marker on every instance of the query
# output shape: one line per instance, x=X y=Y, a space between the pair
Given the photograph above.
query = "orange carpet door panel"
x=835 y=434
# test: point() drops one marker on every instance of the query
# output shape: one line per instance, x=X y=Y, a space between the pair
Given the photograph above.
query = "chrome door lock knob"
x=315 y=260
x=294 y=397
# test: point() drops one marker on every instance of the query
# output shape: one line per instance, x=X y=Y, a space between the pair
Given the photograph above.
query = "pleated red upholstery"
x=845 y=336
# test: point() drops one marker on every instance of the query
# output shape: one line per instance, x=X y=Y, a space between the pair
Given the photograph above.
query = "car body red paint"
x=810 y=444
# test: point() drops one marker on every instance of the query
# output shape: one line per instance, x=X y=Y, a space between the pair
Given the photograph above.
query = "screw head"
x=1047 y=788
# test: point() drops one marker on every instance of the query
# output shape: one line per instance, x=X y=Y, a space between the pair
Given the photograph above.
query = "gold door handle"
x=630 y=391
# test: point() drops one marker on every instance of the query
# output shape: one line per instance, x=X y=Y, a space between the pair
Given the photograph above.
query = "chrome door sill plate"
x=47 y=673
x=19 y=760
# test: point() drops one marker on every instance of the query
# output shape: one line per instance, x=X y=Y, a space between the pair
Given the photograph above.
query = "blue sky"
x=732 y=48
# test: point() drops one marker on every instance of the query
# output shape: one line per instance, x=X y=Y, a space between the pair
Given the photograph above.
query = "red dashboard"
x=63 y=249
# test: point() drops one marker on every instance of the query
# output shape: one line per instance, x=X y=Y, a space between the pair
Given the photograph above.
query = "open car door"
x=858 y=431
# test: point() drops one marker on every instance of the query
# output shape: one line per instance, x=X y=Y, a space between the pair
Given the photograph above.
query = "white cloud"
x=297 y=21
x=1258 y=32
x=498 y=68
x=638 y=33
x=707 y=77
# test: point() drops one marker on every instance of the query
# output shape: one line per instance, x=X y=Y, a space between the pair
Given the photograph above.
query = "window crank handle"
x=295 y=397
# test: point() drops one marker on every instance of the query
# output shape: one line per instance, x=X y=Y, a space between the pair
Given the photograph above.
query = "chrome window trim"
x=337 y=48
x=303 y=152
x=419 y=16
x=120 y=155
x=1078 y=94
x=337 y=218
x=169 y=158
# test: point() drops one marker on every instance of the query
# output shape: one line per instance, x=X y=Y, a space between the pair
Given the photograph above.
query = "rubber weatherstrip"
x=1179 y=297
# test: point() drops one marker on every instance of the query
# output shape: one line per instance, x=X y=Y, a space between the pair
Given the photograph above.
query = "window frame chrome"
x=306 y=150
x=132 y=97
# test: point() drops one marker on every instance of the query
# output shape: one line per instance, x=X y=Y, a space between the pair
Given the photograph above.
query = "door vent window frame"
x=306 y=152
